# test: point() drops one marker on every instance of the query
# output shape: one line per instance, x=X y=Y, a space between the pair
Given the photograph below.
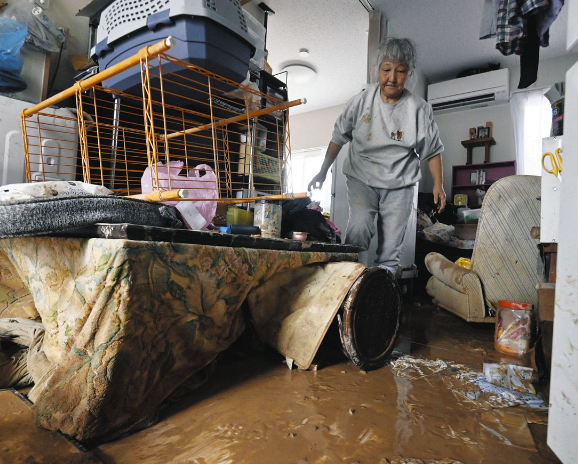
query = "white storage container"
x=11 y=151
x=57 y=149
x=468 y=216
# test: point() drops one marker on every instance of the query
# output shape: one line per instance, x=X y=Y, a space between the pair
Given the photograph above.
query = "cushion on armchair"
x=456 y=289
x=505 y=256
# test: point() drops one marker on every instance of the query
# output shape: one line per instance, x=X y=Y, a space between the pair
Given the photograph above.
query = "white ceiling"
x=445 y=33
x=334 y=32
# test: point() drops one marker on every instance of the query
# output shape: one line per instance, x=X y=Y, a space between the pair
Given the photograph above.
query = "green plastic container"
x=240 y=217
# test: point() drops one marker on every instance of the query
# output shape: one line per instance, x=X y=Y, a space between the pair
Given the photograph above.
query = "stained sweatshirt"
x=387 y=141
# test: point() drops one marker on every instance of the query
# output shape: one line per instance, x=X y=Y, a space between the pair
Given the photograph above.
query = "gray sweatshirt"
x=387 y=140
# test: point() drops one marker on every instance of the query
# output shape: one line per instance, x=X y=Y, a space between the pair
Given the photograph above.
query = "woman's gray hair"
x=397 y=51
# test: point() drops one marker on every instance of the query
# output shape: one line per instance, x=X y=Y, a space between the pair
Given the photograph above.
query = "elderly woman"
x=389 y=131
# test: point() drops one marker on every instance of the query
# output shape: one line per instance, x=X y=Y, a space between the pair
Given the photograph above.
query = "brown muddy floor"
x=254 y=410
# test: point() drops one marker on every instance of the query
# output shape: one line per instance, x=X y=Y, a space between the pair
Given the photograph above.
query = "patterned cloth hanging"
x=511 y=26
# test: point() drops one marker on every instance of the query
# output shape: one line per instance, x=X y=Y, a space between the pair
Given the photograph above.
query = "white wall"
x=454 y=126
x=313 y=129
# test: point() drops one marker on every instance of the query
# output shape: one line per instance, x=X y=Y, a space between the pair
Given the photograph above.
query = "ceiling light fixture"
x=304 y=52
x=299 y=74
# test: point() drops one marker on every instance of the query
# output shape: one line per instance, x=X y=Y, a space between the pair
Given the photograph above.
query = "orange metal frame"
x=184 y=117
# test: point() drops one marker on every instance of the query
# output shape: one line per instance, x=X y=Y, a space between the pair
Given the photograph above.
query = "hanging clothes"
x=511 y=27
x=522 y=26
x=545 y=18
x=530 y=57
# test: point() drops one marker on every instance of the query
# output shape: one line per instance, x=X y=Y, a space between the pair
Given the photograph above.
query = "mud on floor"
x=253 y=409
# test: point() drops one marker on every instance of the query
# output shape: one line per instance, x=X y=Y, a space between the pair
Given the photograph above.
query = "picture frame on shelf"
x=473 y=133
x=474 y=178
x=483 y=132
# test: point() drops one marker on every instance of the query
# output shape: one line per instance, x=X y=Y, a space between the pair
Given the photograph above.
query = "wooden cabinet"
x=465 y=178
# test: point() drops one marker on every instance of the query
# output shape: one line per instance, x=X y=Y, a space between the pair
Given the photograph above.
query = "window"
x=304 y=165
x=532 y=119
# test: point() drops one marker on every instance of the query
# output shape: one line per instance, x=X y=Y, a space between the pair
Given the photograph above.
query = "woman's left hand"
x=439 y=197
x=435 y=167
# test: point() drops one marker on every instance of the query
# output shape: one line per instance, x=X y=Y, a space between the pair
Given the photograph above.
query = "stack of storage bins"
x=212 y=34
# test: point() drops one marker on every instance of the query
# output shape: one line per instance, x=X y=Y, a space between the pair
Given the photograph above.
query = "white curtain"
x=304 y=165
x=532 y=119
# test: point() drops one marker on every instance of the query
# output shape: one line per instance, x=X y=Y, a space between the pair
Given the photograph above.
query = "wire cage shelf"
x=182 y=122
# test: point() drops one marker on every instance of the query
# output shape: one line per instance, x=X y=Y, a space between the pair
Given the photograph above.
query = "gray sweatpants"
x=392 y=207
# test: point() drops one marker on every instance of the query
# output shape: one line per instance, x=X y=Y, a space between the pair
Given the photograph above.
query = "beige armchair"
x=505 y=263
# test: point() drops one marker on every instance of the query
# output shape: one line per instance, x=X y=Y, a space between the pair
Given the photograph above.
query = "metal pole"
x=115 y=126
x=251 y=186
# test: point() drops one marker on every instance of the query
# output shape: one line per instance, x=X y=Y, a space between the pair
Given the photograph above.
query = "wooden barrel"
x=369 y=318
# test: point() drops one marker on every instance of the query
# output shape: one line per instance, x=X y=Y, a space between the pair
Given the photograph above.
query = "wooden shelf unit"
x=485 y=142
x=461 y=175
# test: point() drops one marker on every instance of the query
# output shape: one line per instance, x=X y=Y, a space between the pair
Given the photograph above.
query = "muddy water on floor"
x=430 y=332
x=258 y=411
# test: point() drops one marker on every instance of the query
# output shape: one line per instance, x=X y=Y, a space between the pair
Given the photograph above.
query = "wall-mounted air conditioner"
x=477 y=91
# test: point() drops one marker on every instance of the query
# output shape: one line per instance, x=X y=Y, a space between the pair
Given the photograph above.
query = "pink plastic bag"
x=200 y=186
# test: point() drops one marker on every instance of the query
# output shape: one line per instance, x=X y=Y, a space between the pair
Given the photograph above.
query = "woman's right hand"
x=330 y=155
x=317 y=181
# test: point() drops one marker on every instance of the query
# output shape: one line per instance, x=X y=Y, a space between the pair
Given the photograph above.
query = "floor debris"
x=460 y=380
